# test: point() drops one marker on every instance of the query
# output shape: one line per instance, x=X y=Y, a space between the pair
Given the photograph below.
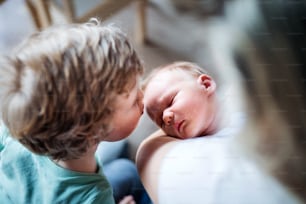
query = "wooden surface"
x=41 y=14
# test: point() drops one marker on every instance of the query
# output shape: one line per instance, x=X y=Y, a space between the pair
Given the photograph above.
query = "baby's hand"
x=127 y=200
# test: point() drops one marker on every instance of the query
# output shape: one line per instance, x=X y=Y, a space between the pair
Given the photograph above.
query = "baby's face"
x=128 y=109
x=181 y=104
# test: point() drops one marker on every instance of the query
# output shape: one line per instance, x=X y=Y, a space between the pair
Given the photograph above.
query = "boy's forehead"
x=132 y=84
x=121 y=100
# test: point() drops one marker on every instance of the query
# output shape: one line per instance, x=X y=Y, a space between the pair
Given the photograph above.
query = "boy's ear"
x=208 y=83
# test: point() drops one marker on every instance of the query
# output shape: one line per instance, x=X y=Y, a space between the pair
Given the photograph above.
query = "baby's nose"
x=168 y=117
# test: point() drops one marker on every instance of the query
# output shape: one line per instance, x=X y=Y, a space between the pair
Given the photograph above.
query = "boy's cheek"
x=131 y=122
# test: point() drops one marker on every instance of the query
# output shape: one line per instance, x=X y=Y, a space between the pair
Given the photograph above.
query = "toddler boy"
x=63 y=91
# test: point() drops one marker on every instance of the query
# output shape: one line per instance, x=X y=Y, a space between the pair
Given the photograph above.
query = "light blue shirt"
x=30 y=178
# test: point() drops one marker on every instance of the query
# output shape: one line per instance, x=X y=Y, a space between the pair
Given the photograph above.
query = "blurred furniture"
x=40 y=11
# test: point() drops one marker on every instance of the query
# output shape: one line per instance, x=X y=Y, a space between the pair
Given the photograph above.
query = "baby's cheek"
x=192 y=129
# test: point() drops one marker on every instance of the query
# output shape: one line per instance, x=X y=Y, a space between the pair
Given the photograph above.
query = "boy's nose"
x=140 y=101
x=141 y=106
x=168 y=117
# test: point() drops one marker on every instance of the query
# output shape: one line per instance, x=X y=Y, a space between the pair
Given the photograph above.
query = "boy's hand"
x=127 y=200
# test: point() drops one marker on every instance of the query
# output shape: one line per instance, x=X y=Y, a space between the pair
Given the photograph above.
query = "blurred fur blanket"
x=268 y=47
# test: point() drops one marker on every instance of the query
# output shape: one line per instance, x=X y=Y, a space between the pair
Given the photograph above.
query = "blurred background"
x=162 y=31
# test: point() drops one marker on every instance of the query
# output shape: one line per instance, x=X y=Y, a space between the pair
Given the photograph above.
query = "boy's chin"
x=117 y=137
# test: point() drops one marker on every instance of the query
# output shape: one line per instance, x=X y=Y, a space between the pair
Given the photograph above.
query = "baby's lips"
x=178 y=126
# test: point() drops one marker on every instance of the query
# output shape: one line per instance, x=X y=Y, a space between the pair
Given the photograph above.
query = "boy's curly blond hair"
x=58 y=88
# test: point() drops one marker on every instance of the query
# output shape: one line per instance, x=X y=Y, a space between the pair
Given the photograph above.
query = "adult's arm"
x=175 y=170
x=179 y=171
x=204 y=170
x=149 y=157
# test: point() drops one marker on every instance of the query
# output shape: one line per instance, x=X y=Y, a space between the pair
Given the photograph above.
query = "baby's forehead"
x=168 y=75
x=168 y=78
x=152 y=95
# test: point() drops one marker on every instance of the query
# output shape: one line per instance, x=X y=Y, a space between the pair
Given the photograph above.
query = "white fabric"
x=208 y=170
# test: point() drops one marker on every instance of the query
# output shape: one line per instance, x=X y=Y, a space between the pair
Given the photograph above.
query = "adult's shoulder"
x=153 y=148
x=155 y=142
x=163 y=161
x=149 y=158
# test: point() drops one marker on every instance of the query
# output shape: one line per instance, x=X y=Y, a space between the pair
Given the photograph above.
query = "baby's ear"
x=208 y=83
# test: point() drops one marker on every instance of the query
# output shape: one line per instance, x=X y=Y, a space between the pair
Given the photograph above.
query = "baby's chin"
x=184 y=136
x=193 y=135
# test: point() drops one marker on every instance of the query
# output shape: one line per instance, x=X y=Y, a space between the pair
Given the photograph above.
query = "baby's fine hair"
x=189 y=67
x=58 y=87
